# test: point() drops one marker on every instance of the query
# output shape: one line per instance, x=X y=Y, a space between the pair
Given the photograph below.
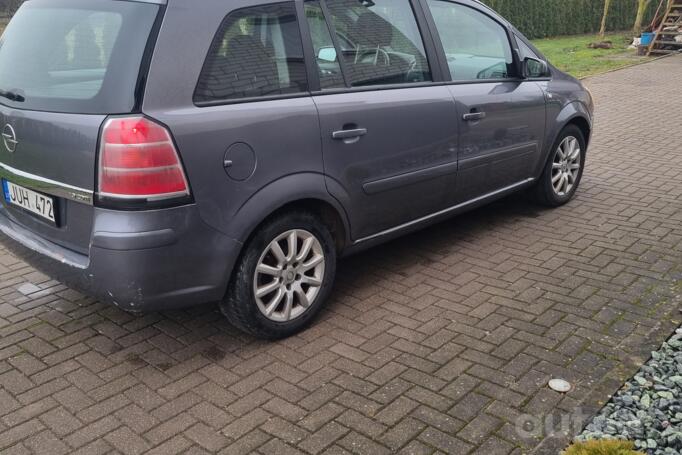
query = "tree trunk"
x=602 y=30
x=641 y=9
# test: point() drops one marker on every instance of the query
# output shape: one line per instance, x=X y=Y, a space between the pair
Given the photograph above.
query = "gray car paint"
x=58 y=147
x=505 y=147
x=410 y=148
x=419 y=163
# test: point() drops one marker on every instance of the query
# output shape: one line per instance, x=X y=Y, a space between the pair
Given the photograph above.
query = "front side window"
x=256 y=53
x=535 y=65
x=525 y=50
x=380 y=42
x=476 y=46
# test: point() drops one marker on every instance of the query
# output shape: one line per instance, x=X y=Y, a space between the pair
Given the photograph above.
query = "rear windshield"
x=75 y=56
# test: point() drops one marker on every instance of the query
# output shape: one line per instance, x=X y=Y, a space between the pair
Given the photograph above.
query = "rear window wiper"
x=12 y=96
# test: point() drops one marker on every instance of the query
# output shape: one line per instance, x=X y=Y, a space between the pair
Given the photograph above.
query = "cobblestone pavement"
x=437 y=342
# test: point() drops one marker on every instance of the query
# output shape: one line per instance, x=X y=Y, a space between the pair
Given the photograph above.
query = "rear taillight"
x=138 y=161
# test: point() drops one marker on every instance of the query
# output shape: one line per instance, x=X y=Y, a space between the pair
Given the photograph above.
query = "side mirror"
x=327 y=54
x=532 y=68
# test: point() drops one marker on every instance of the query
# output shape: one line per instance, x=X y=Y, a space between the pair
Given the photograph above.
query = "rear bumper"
x=138 y=261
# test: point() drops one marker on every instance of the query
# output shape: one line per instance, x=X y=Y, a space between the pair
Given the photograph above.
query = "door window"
x=257 y=52
x=476 y=46
x=380 y=42
x=525 y=50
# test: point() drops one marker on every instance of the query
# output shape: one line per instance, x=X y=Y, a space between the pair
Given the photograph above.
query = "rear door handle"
x=474 y=116
x=345 y=135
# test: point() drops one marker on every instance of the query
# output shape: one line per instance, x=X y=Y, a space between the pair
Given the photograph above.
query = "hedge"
x=543 y=18
x=540 y=18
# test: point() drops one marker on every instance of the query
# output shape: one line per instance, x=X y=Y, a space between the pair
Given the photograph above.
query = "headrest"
x=245 y=46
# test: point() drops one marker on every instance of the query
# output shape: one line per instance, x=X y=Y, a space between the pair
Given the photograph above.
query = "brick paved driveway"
x=436 y=342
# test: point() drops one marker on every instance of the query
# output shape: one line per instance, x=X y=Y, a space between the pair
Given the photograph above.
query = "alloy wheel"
x=566 y=166
x=289 y=275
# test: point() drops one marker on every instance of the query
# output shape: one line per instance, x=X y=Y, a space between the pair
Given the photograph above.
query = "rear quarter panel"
x=283 y=134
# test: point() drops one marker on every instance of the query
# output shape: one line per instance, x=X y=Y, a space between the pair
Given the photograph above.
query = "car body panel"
x=504 y=147
x=280 y=138
x=282 y=134
x=53 y=147
x=410 y=148
x=182 y=261
x=566 y=99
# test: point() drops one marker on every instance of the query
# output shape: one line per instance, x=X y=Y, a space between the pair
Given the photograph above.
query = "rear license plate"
x=36 y=203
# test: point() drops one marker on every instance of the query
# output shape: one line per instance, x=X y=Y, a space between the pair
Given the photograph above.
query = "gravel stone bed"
x=648 y=409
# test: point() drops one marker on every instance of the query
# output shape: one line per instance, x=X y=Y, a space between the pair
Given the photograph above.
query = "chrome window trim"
x=45 y=185
x=447 y=211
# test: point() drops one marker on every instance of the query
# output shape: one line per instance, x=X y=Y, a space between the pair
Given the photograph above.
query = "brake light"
x=138 y=160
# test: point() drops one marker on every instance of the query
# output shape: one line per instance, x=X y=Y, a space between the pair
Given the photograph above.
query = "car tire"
x=563 y=172
x=274 y=291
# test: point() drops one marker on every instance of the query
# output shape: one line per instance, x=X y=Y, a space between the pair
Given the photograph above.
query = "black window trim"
x=441 y=48
x=306 y=59
x=326 y=14
x=427 y=42
x=143 y=76
x=518 y=36
x=435 y=55
x=308 y=49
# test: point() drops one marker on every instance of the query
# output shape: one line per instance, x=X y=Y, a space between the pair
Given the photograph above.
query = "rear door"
x=501 y=116
x=389 y=135
x=64 y=66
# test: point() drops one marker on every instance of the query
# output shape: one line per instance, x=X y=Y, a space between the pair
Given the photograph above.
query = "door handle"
x=473 y=116
x=345 y=135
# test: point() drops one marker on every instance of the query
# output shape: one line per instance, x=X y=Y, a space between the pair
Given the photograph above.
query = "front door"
x=504 y=147
x=501 y=117
x=389 y=140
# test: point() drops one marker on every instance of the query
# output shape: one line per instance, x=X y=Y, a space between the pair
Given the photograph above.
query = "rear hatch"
x=65 y=66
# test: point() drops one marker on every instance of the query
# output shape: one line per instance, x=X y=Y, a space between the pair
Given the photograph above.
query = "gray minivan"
x=165 y=153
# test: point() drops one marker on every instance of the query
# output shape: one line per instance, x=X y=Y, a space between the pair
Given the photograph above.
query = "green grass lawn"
x=571 y=54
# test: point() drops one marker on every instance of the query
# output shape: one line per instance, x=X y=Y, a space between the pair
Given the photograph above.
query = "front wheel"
x=284 y=277
x=564 y=170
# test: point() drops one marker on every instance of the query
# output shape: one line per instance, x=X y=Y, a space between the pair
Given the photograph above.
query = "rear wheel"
x=564 y=170
x=283 y=278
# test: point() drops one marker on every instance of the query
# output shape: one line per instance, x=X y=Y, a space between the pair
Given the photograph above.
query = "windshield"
x=75 y=56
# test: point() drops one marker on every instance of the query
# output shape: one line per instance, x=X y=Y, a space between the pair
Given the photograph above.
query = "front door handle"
x=345 y=135
x=474 y=116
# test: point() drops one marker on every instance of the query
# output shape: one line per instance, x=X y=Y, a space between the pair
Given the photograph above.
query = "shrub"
x=543 y=18
x=9 y=7
x=603 y=447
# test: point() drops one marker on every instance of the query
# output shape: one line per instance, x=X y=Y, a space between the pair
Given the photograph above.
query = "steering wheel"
x=413 y=74
x=375 y=53
x=496 y=71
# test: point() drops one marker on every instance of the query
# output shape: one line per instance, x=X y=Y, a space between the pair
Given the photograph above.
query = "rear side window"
x=380 y=42
x=476 y=46
x=75 y=56
x=257 y=53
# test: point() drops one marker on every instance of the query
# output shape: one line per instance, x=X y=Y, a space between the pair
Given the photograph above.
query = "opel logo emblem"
x=9 y=137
